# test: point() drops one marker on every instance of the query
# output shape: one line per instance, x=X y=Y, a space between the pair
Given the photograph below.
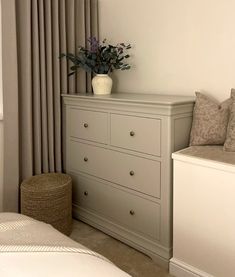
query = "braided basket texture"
x=48 y=198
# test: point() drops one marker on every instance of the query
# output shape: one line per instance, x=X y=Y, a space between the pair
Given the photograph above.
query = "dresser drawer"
x=88 y=125
x=128 y=210
x=136 y=133
x=136 y=173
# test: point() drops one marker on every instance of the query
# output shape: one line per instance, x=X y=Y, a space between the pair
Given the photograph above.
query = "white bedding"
x=31 y=248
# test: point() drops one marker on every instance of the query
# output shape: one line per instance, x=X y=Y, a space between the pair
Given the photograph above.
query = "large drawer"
x=88 y=125
x=128 y=210
x=136 y=173
x=136 y=133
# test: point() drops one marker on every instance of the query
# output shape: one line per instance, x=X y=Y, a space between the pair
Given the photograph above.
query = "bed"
x=32 y=248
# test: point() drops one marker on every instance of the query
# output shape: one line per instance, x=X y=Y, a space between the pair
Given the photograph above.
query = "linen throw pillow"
x=210 y=121
x=233 y=93
x=229 y=144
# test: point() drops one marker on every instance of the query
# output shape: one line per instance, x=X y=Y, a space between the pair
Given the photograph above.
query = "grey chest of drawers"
x=118 y=151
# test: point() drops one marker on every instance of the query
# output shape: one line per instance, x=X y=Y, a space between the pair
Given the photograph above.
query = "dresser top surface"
x=161 y=99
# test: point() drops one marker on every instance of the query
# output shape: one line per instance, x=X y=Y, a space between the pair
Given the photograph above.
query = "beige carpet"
x=125 y=257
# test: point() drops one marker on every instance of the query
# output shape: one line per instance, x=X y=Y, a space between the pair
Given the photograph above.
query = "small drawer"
x=88 y=125
x=136 y=133
x=128 y=210
x=133 y=172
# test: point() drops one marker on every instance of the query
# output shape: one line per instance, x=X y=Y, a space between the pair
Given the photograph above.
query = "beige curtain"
x=34 y=33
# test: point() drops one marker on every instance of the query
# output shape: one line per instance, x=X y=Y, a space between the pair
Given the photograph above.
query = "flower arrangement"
x=99 y=58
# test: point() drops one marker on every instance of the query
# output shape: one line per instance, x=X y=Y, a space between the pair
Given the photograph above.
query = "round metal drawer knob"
x=132 y=212
x=85 y=125
x=86 y=193
x=85 y=159
x=132 y=133
x=132 y=173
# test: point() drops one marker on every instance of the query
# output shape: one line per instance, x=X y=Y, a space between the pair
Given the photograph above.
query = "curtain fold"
x=10 y=107
x=40 y=31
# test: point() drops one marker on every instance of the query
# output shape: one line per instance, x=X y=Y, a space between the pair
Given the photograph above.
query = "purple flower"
x=94 y=44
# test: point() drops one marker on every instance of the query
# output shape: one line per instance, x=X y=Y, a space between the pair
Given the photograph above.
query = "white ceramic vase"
x=102 y=84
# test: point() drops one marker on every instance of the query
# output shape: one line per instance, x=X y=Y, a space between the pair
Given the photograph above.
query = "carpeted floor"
x=125 y=257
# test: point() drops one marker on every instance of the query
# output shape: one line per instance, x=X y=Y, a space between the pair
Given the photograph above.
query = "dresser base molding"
x=180 y=269
x=157 y=253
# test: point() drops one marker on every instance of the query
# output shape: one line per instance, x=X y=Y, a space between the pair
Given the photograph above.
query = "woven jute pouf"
x=48 y=198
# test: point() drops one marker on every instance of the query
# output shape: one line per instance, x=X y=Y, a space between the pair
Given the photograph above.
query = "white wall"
x=1 y=117
x=179 y=46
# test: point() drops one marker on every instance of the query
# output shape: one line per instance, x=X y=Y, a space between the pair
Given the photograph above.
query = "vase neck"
x=101 y=74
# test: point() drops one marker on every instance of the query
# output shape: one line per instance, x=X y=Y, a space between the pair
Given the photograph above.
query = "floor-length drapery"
x=34 y=33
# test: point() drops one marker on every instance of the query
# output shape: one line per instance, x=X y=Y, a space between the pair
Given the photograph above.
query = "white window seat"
x=204 y=212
